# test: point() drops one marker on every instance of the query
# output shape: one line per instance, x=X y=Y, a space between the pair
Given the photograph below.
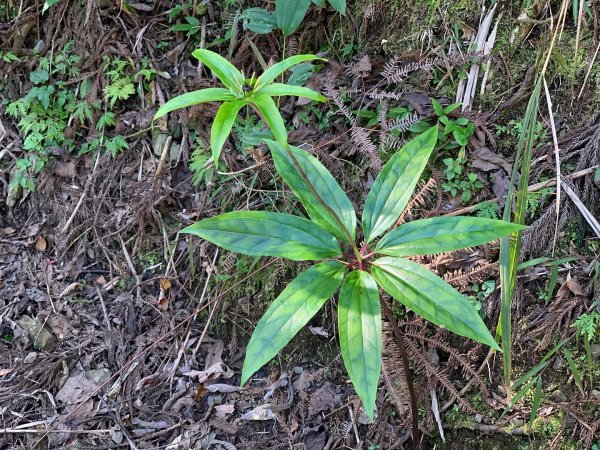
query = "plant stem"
x=407 y=373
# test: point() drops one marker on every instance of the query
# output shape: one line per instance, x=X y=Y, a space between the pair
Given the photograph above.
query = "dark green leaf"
x=229 y=75
x=535 y=404
x=339 y=6
x=39 y=76
x=431 y=297
x=259 y=20
x=359 y=323
x=194 y=98
x=269 y=112
x=278 y=89
x=261 y=233
x=442 y=234
x=291 y=311
x=222 y=126
x=290 y=14
x=325 y=186
x=275 y=70
x=394 y=185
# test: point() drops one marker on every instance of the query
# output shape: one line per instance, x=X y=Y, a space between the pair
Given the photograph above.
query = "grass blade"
x=510 y=246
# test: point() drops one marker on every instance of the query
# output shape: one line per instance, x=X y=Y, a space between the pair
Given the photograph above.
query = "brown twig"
x=407 y=372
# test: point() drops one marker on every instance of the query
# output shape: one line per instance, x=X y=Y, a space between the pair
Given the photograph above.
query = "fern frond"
x=394 y=71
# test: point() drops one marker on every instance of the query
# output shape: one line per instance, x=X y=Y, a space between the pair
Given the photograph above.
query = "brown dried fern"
x=395 y=70
x=462 y=278
x=393 y=371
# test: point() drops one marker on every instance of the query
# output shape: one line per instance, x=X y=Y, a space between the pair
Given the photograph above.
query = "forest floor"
x=117 y=332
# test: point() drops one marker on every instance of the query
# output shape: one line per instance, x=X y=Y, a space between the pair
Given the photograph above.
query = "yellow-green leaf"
x=431 y=297
x=395 y=184
x=359 y=323
x=222 y=126
x=229 y=75
x=194 y=98
x=262 y=233
x=442 y=234
x=291 y=311
x=324 y=184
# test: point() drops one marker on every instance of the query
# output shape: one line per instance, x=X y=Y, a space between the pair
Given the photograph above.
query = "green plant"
x=287 y=17
x=588 y=325
x=239 y=92
x=120 y=85
x=9 y=57
x=487 y=209
x=461 y=130
x=480 y=293
x=44 y=113
x=456 y=181
x=510 y=246
x=350 y=266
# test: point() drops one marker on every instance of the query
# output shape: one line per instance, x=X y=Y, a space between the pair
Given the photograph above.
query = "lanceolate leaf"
x=229 y=75
x=442 y=234
x=291 y=311
x=276 y=89
x=222 y=126
x=275 y=70
x=261 y=233
x=323 y=182
x=270 y=113
x=289 y=14
x=193 y=98
x=339 y=6
x=359 y=323
x=431 y=297
x=394 y=185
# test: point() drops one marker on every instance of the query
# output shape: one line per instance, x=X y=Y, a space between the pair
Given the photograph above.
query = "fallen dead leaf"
x=65 y=169
x=318 y=331
x=41 y=244
x=224 y=410
x=262 y=412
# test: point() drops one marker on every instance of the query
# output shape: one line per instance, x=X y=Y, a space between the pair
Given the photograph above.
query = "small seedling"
x=240 y=91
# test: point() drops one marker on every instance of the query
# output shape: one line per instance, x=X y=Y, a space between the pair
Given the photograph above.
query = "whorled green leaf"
x=229 y=75
x=269 y=75
x=359 y=323
x=442 y=234
x=258 y=20
x=339 y=6
x=221 y=126
x=262 y=233
x=194 y=98
x=291 y=311
x=431 y=297
x=276 y=89
x=395 y=184
x=270 y=113
x=289 y=14
x=324 y=184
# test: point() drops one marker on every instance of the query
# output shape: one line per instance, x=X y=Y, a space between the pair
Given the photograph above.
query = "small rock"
x=37 y=332
x=559 y=363
x=558 y=396
x=31 y=357
x=98 y=376
x=478 y=418
x=596 y=394
x=595 y=350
